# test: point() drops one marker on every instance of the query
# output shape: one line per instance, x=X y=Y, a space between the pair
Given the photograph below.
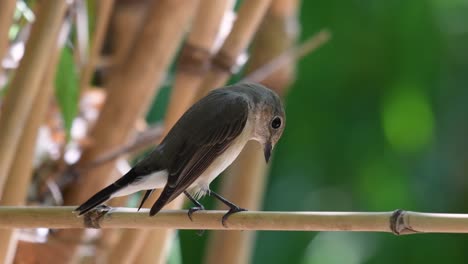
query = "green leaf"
x=66 y=88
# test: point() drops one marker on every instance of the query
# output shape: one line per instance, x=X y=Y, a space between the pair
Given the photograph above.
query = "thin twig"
x=397 y=222
x=146 y=138
x=305 y=48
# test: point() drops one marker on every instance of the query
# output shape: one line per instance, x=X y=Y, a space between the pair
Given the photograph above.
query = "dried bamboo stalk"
x=245 y=180
x=399 y=222
x=19 y=177
x=192 y=66
x=248 y=19
x=7 y=9
x=103 y=14
x=126 y=23
x=25 y=84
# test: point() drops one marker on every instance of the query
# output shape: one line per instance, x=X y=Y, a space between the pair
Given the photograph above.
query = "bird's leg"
x=147 y=194
x=192 y=210
x=232 y=207
x=198 y=206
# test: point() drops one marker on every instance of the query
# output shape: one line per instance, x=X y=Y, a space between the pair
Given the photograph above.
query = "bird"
x=202 y=143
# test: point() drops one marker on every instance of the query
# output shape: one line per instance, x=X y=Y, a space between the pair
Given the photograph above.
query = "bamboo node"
x=194 y=59
x=399 y=223
x=94 y=217
x=226 y=63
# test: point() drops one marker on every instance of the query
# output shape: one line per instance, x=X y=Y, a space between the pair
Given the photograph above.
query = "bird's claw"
x=231 y=211
x=193 y=210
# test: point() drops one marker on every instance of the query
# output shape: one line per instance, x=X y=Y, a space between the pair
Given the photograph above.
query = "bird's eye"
x=276 y=122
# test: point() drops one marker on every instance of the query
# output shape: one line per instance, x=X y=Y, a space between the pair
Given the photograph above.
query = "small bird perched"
x=201 y=145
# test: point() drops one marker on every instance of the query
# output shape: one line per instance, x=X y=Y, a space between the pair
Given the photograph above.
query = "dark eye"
x=276 y=122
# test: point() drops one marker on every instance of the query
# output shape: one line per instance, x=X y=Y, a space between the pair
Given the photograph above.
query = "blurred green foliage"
x=66 y=88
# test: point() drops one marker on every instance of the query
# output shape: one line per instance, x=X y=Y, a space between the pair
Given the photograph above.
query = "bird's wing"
x=220 y=122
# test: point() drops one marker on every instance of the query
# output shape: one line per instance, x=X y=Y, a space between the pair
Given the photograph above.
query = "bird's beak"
x=267 y=151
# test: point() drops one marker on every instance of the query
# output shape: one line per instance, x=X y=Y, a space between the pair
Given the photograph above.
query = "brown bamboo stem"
x=27 y=79
x=399 y=222
x=19 y=177
x=125 y=26
x=246 y=178
x=103 y=14
x=293 y=53
x=249 y=16
x=195 y=58
x=7 y=8
x=126 y=20
x=192 y=66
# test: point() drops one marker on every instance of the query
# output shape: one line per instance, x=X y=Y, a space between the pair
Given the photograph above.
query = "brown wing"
x=201 y=135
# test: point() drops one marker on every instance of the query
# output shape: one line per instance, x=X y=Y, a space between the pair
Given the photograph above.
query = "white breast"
x=201 y=185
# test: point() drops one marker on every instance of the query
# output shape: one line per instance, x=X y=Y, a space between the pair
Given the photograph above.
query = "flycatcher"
x=203 y=142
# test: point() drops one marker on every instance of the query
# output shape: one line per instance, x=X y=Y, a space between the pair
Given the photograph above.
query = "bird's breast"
x=225 y=159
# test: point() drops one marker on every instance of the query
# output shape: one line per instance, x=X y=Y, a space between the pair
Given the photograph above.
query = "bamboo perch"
x=398 y=222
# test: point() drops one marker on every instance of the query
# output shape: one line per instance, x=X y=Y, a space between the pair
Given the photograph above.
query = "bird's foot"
x=193 y=210
x=231 y=211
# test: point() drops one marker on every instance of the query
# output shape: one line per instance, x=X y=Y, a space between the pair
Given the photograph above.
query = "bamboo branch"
x=398 y=222
x=305 y=48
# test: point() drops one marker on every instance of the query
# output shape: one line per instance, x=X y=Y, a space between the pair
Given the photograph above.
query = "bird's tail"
x=98 y=198
x=167 y=195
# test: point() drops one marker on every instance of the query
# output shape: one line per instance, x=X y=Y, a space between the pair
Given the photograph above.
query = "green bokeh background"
x=377 y=120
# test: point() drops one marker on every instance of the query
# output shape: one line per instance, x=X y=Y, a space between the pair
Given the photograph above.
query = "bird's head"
x=270 y=118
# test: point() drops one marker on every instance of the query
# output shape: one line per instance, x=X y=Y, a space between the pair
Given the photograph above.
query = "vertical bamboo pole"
x=103 y=14
x=245 y=180
x=248 y=19
x=132 y=87
x=126 y=21
x=19 y=176
x=26 y=82
x=192 y=65
x=7 y=9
